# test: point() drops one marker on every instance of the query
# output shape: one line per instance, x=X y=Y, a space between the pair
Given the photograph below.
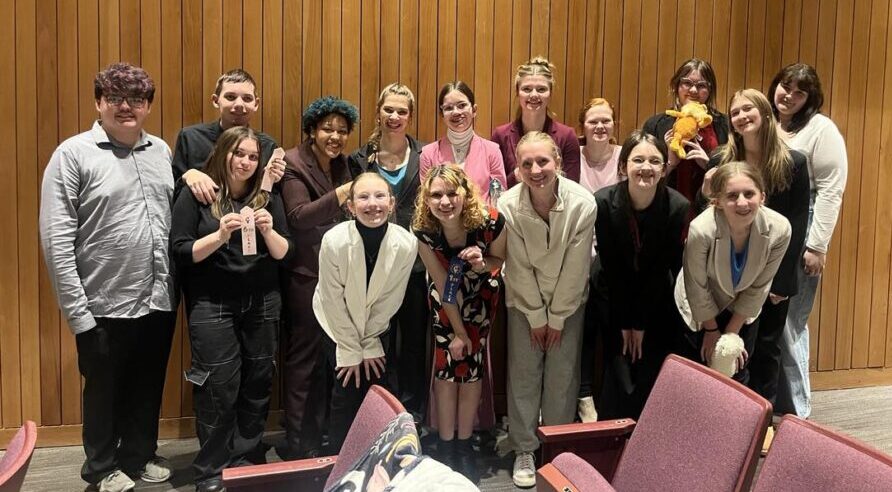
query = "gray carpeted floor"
x=862 y=413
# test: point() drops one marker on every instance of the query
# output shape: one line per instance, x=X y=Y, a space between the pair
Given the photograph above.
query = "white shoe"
x=586 y=409
x=117 y=481
x=156 y=470
x=524 y=470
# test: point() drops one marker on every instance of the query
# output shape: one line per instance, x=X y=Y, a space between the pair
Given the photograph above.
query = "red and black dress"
x=480 y=293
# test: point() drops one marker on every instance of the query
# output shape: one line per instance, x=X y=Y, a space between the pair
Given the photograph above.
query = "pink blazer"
x=484 y=161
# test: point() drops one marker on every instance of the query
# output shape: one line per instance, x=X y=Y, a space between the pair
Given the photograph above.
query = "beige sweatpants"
x=541 y=380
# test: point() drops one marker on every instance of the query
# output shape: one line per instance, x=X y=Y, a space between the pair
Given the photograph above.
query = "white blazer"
x=351 y=314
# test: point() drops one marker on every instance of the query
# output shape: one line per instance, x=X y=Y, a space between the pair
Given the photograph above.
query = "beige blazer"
x=704 y=287
x=351 y=314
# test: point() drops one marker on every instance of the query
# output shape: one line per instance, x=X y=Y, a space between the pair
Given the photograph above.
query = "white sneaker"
x=524 y=470
x=586 y=409
x=156 y=470
x=117 y=481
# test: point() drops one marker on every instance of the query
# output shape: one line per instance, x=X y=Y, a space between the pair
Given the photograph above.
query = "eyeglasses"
x=453 y=108
x=700 y=85
x=132 y=101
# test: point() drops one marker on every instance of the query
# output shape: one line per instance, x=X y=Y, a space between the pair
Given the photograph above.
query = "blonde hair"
x=776 y=164
x=538 y=137
x=728 y=170
x=217 y=168
x=394 y=89
x=473 y=213
x=538 y=65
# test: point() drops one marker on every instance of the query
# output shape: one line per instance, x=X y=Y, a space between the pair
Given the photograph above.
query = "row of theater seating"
x=698 y=431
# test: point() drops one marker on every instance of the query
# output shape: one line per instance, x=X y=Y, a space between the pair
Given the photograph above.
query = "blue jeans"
x=793 y=387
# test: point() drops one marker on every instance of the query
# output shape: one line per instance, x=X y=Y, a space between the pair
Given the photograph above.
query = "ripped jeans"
x=233 y=352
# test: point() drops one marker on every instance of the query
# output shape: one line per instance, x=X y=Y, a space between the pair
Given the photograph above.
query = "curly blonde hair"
x=473 y=213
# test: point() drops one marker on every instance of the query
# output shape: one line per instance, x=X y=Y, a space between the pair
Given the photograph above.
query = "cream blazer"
x=351 y=314
x=704 y=287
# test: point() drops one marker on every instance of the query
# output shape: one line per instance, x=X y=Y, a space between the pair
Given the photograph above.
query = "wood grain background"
x=624 y=50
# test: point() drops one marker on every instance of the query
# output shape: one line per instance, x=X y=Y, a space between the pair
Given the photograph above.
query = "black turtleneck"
x=371 y=242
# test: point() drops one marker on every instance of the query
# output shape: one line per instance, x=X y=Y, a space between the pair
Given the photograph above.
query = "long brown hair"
x=217 y=168
x=777 y=163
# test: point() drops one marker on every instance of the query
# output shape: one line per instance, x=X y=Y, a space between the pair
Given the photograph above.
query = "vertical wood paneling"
x=624 y=50
x=10 y=410
x=873 y=140
x=27 y=179
x=68 y=125
x=47 y=138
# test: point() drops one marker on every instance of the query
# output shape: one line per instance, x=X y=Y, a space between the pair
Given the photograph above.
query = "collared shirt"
x=104 y=226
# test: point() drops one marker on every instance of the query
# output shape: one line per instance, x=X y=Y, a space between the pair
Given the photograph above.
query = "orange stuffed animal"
x=692 y=117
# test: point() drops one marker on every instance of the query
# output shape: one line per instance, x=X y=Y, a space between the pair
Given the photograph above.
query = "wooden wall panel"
x=297 y=50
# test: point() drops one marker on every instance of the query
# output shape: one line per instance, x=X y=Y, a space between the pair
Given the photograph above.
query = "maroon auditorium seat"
x=15 y=461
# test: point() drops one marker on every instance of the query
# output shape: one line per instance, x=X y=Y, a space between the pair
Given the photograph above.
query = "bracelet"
x=710 y=331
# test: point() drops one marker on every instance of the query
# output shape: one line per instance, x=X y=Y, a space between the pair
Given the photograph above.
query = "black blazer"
x=640 y=280
x=792 y=203
x=405 y=201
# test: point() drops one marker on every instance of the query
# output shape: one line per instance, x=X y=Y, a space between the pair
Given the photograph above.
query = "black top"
x=226 y=273
x=195 y=143
x=792 y=203
x=641 y=255
x=371 y=243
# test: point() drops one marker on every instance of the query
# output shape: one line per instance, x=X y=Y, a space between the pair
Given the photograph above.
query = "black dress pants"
x=346 y=400
x=765 y=360
x=233 y=349
x=410 y=352
x=123 y=362
x=690 y=348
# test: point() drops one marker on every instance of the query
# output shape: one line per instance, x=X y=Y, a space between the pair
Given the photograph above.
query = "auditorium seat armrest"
x=307 y=474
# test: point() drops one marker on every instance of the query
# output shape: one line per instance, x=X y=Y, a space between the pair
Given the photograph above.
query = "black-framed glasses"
x=132 y=101
x=700 y=85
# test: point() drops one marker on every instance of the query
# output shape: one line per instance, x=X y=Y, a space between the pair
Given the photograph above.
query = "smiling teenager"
x=693 y=81
x=550 y=220
x=364 y=267
x=640 y=232
x=479 y=158
x=233 y=302
x=533 y=84
x=796 y=98
x=315 y=186
x=755 y=139
x=732 y=253
x=395 y=155
x=235 y=96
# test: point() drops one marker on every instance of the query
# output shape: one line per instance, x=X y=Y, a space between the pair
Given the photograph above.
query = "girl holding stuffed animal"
x=694 y=81
x=731 y=256
x=640 y=228
x=755 y=139
x=533 y=84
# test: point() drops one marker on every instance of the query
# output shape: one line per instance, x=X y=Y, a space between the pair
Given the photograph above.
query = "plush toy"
x=727 y=349
x=692 y=117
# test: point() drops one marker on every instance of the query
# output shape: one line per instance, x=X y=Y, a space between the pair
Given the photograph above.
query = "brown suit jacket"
x=311 y=204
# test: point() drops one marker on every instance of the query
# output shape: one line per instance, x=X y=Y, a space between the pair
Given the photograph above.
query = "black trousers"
x=345 y=401
x=409 y=337
x=596 y=319
x=765 y=359
x=123 y=362
x=233 y=349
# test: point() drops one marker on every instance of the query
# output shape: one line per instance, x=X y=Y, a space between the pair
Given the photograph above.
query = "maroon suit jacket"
x=509 y=134
x=311 y=204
